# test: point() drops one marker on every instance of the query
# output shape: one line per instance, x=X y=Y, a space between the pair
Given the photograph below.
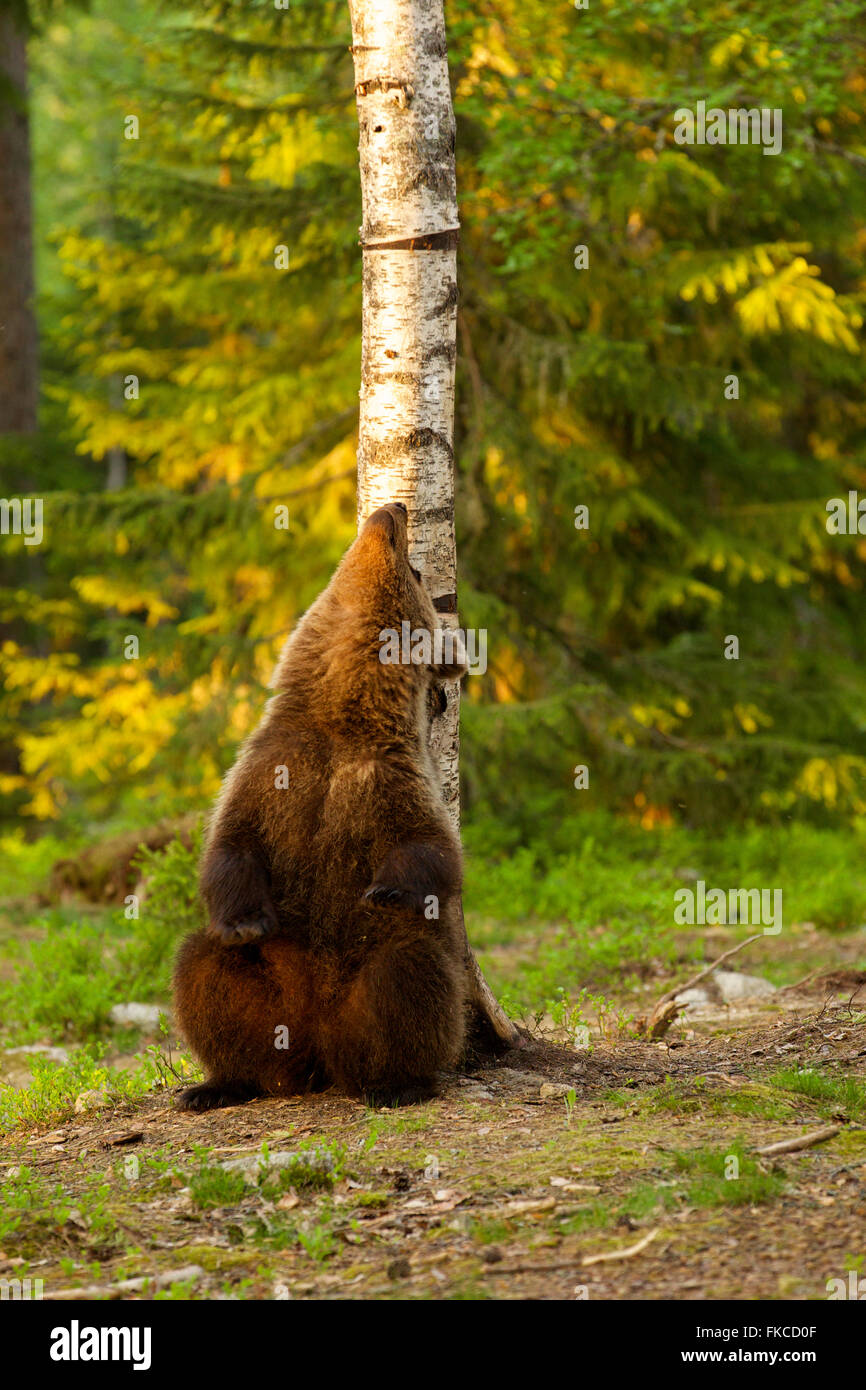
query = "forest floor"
x=625 y=1170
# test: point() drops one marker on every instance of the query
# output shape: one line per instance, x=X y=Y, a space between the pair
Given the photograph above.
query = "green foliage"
x=212 y=1186
x=601 y=387
x=588 y=917
x=710 y=1183
x=834 y=1095
x=171 y=909
x=68 y=982
x=52 y=1094
x=64 y=989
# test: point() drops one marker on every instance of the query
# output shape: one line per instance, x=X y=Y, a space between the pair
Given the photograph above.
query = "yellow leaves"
x=726 y=49
x=730 y=275
x=818 y=781
x=822 y=448
x=795 y=298
x=744 y=47
x=43 y=804
x=56 y=674
x=791 y=296
x=655 y=717
x=253 y=583
x=124 y=596
x=751 y=718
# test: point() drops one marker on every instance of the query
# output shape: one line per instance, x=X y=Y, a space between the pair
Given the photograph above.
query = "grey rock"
x=252 y=1166
x=136 y=1015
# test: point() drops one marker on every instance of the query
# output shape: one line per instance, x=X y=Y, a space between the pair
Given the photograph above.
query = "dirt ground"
x=510 y=1185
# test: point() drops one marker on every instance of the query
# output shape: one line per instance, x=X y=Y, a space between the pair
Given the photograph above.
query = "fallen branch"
x=803 y=1141
x=189 y=1273
x=667 y=1008
x=798 y=984
x=623 y=1254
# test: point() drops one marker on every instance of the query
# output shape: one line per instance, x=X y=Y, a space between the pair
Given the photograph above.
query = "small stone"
x=91 y=1100
x=551 y=1090
x=51 y=1054
x=252 y=1166
x=491 y=1255
x=734 y=986
x=136 y=1015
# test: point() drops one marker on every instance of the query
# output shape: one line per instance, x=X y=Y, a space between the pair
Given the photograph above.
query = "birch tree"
x=409 y=241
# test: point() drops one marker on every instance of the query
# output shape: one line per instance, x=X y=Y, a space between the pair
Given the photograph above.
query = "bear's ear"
x=452 y=660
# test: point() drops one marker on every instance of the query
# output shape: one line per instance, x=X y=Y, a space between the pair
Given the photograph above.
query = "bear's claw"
x=243 y=929
x=213 y=1095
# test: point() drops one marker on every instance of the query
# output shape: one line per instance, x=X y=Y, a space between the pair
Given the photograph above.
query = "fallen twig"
x=189 y=1273
x=667 y=1009
x=803 y=1141
x=622 y=1254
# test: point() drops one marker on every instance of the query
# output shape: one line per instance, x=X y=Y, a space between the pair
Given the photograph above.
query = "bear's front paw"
x=240 y=930
x=386 y=895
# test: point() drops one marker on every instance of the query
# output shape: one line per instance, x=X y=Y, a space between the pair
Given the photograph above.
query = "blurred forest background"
x=193 y=376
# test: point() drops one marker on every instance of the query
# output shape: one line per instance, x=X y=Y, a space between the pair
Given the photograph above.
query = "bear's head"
x=371 y=652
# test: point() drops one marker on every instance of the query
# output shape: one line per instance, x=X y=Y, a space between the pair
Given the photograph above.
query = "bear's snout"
x=391 y=519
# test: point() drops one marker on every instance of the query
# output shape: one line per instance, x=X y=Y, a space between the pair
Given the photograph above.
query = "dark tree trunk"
x=18 y=339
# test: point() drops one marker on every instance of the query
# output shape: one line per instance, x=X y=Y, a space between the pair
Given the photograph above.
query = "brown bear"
x=334 y=952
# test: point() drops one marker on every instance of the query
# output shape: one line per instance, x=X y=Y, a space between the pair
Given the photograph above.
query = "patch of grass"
x=213 y=1186
x=695 y=1097
x=34 y=1211
x=611 y=899
x=25 y=864
x=29 y=1206
x=678 y=1097
x=171 y=910
x=726 y=1177
x=319 y=1242
x=489 y=1232
x=302 y=1174
x=63 y=989
x=831 y=1094
x=594 y=1216
x=51 y=1096
x=66 y=984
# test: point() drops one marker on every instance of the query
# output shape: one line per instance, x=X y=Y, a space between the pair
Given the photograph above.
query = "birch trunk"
x=409 y=240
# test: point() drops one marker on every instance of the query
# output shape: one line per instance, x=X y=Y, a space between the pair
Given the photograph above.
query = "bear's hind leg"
x=400 y=1022
x=243 y=1010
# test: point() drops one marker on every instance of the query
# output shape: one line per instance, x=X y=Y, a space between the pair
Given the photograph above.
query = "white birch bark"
x=409 y=240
